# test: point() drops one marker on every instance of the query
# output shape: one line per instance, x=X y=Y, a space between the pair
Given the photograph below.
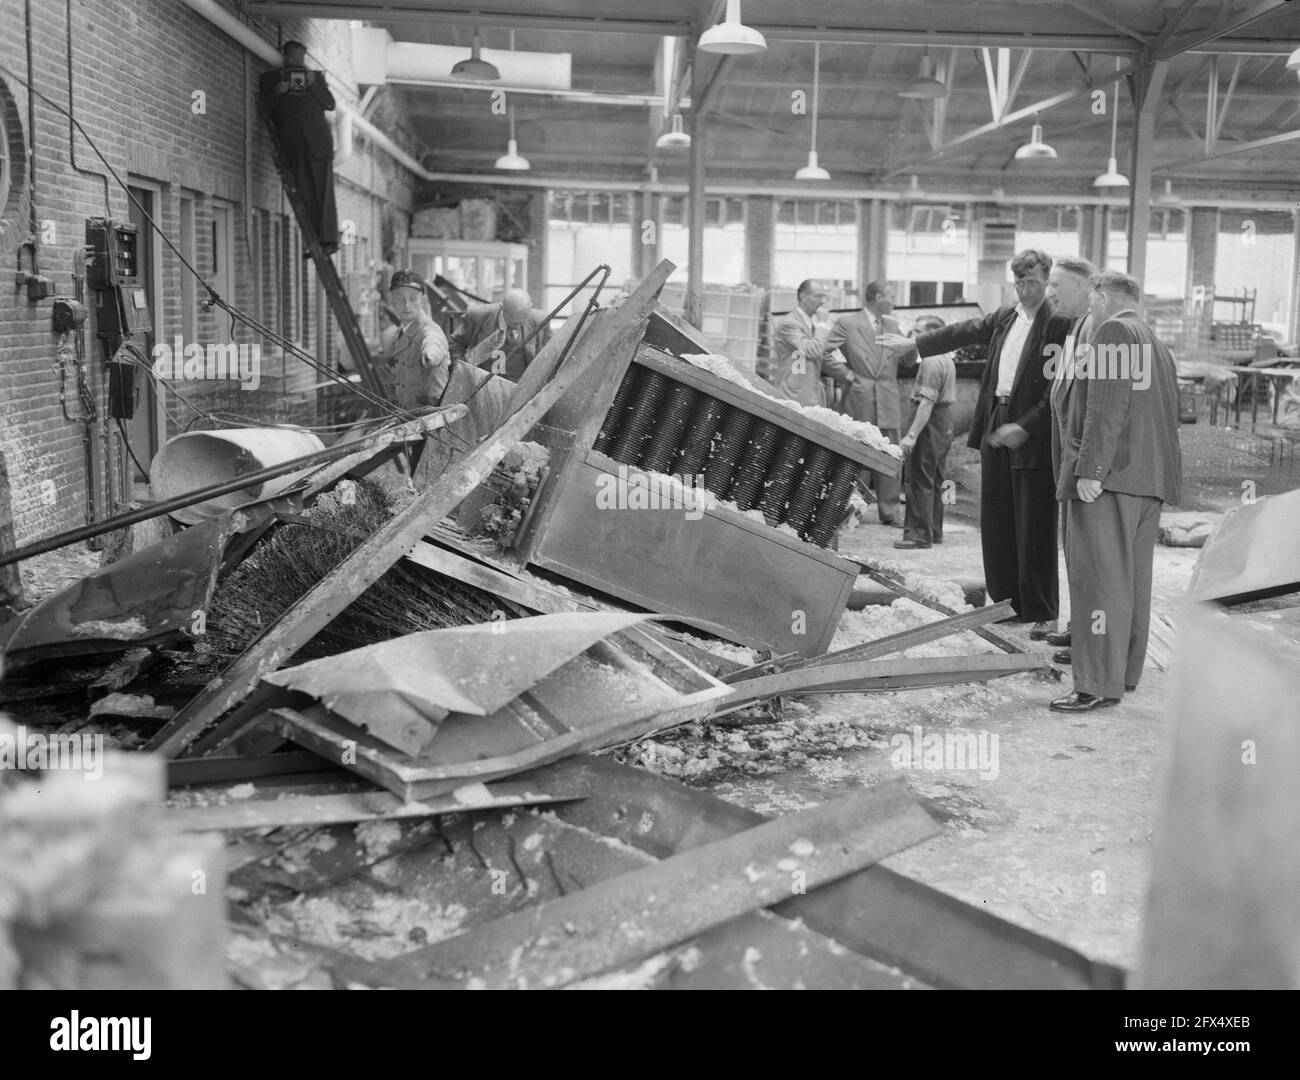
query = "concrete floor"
x=1059 y=840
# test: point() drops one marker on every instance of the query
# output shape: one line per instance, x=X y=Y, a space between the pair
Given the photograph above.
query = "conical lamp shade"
x=1111 y=178
x=731 y=35
x=474 y=68
x=512 y=160
x=676 y=138
x=812 y=171
x=1035 y=149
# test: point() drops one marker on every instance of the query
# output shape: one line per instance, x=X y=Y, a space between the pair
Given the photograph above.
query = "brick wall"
x=167 y=99
x=760 y=218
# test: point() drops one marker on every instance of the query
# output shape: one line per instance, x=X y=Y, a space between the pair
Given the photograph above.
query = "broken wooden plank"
x=637 y=914
x=615 y=328
x=284 y=810
x=909 y=639
x=216 y=770
x=881 y=675
x=878 y=912
x=1222 y=910
x=126 y=669
x=991 y=636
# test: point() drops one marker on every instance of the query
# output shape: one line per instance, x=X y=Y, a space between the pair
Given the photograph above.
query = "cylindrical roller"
x=727 y=449
x=617 y=415
x=747 y=484
x=642 y=416
x=665 y=441
x=830 y=512
x=808 y=489
x=782 y=473
x=698 y=440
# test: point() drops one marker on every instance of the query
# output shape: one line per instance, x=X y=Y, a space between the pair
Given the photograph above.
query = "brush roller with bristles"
x=665 y=443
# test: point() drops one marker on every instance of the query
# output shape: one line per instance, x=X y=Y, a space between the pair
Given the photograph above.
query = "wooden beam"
x=879 y=675
x=991 y=636
x=283 y=808
x=909 y=639
x=623 y=919
x=613 y=329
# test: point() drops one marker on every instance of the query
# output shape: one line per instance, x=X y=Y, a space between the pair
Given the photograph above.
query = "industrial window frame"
x=13 y=169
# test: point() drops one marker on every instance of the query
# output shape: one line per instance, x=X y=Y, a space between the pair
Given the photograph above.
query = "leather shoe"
x=897 y=523
x=1060 y=641
x=910 y=545
x=1081 y=702
x=1063 y=656
x=1039 y=631
x=1128 y=688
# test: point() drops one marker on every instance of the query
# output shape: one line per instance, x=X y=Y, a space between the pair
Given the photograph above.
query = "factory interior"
x=712 y=494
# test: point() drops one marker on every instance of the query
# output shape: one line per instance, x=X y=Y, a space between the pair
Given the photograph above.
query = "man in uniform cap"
x=421 y=357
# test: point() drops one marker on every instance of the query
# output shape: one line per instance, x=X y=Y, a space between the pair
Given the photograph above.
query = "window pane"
x=808 y=243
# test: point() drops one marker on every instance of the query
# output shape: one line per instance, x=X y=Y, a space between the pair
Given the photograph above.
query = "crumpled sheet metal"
x=147 y=597
x=1255 y=552
x=401 y=690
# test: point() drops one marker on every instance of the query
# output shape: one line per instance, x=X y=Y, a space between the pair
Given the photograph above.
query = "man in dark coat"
x=502 y=338
x=297 y=100
x=1120 y=463
x=1012 y=433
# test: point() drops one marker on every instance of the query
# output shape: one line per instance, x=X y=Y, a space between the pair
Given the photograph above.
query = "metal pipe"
x=179 y=502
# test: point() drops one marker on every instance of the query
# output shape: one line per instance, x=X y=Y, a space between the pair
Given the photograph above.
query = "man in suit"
x=1068 y=293
x=1011 y=431
x=800 y=358
x=504 y=337
x=873 y=392
x=1120 y=463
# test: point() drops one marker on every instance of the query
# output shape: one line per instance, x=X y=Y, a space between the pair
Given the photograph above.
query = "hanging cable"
x=214 y=297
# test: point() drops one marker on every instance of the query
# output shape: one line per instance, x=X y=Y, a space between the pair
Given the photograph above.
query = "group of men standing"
x=1076 y=421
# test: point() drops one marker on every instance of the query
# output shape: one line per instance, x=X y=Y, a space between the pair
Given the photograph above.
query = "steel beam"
x=1147 y=84
x=1014 y=117
x=995 y=37
x=695 y=201
x=1114 y=24
x=1235 y=148
x=1199 y=38
x=708 y=97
